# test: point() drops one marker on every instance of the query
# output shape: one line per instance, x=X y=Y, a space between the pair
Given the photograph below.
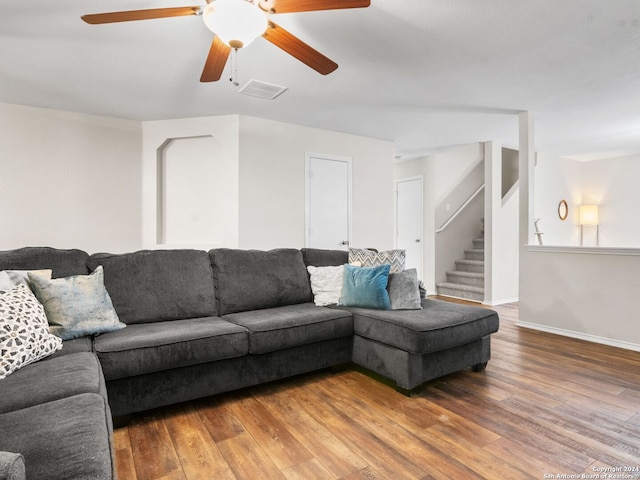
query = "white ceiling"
x=425 y=74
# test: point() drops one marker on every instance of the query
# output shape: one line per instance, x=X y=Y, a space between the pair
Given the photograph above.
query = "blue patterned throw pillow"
x=365 y=287
x=76 y=306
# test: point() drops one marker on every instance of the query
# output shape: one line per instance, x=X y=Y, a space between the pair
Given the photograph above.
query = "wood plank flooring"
x=546 y=407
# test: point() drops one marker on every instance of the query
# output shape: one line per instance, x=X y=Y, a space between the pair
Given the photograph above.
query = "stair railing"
x=460 y=209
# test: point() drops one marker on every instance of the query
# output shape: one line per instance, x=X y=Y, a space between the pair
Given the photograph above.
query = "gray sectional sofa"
x=201 y=323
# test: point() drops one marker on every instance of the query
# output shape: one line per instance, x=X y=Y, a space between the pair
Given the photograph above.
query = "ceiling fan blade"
x=131 y=15
x=290 y=6
x=297 y=48
x=216 y=60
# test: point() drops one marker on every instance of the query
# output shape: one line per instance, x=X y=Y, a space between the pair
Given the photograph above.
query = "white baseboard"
x=501 y=302
x=581 y=336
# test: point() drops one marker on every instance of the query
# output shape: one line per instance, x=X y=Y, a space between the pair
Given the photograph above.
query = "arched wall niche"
x=190 y=207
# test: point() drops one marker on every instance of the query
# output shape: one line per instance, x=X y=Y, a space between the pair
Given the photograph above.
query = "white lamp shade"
x=588 y=214
x=236 y=22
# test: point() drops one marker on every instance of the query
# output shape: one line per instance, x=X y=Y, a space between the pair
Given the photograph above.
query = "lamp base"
x=597 y=227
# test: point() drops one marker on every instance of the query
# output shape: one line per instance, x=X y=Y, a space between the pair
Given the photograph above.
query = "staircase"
x=467 y=280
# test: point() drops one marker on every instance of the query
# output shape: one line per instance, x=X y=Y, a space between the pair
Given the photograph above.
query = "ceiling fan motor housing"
x=236 y=22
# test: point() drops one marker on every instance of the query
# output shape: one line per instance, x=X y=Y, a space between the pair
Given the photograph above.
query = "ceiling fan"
x=236 y=23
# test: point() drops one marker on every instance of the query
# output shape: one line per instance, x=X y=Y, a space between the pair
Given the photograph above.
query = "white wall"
x=557 y=179
x=610 y=183
x=69 y=180
x=587 y=295
x=453 y=165
x=81 y=181
x=264 y=183
x=584 y=293
x=613 y=185
x=222 y=132
x=501 y=230
x=272 y=183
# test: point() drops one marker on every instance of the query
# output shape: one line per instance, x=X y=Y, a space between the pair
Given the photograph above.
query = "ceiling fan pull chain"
x=233 y=66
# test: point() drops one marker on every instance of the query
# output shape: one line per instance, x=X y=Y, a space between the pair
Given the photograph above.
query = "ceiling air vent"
x=256 y=88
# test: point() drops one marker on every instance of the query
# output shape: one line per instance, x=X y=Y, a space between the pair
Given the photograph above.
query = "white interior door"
x=328 y=212
x=409 y=217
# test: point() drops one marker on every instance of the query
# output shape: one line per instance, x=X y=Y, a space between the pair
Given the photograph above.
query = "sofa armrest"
x=12 y=466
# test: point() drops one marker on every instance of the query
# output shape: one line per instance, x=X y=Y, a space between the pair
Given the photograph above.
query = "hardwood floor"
x=546 y=405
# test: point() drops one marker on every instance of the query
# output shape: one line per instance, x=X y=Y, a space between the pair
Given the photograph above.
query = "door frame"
x=307 y=204
x=397 y=216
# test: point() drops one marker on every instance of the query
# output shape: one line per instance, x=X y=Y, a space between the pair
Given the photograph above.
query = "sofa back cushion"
x=158 y=285
x=255 y=279
x=318 y=257
x=63 y=263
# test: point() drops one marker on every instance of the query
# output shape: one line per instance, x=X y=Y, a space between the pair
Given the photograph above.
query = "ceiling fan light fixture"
x=236 y=22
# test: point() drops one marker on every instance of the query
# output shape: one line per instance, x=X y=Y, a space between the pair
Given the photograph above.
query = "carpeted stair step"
x=475 y=266
x=478 y=243
x=466 y=278
x=458 y=290
x=474 y=254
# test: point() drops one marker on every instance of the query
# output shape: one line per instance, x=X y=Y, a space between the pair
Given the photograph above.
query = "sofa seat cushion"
x=52 y=379
x=255 y=279
x=278 y=328
x=438 y=326
x=74 y=345
x=152 y=347
x=65 y=439
x=158 y=285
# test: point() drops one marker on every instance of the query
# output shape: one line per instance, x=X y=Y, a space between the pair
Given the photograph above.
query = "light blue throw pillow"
x=365 y=287
x=76 y=306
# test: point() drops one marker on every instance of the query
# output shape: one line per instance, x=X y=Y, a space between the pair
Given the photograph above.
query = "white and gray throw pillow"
x=24 y=331
x=326 y=284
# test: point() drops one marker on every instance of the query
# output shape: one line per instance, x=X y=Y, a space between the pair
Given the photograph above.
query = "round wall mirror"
x=563 y=209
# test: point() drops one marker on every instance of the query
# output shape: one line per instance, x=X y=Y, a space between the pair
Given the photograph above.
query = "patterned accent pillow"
x=24 y=332
x=326 y=284
x=76 y=306
x=369 y=258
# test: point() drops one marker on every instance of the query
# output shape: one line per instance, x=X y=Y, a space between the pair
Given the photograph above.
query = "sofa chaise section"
x=411 y=347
